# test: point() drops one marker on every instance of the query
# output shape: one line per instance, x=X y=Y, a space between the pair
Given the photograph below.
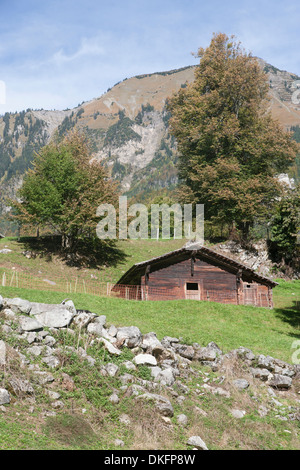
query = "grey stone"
x=82 y=319
x=182 y=420
x=51 y=361
x=2 y=353
x=241 y=384
x=197 y=442
x=281 y=382
x=110 y=348
x=131 y=335
x=165 y=377
x=150 y=341
x=206 y=354
x=112 y=369
x=262 y=374
x=238 y=413
x=265 y=362
x=112 y=331
x=29 y=324
x=145 y=359
x=162 y=404
x=114 y=399
x=1 y=302
x=52 y=315
x=95 y=329
x=119 y=443
x=19 y=305
x=21 y=387
x=4 y=397
x=129 y=365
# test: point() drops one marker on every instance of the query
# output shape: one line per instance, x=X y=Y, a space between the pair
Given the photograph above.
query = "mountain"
x=128 y=129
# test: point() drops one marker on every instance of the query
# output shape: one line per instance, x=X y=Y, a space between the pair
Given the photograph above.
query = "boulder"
x=150 y=341
x=206 y=354
x=130 y=335
x=197 y=442
x=2 y=353
x=19 y=306
x=4 y=397
x=162 y=404
x=29 y=324
x=281 y=382
x=1 y=302
x=145 y=359
x=110 y=348
x=241 y=384
x=52 y=316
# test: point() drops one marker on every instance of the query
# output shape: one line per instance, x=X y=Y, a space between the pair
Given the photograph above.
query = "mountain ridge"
x=127 y=127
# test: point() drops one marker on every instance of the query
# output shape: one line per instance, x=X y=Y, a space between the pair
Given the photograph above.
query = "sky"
x=57 y=54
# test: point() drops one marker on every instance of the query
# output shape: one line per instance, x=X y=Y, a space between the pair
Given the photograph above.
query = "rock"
x=145 y=359
x=1 y=302
x=19 y=306
x=130 y=335
x=100 y=320
x=265 y=362
x=119 y=443
x=2 y=353
x=182 y=420
x=112 y=331
x=112 y=369
x=129 y=365
x=162 y=404
x=281 y=382
x=20 y=387
x=110 y=348
x=43 y=378
x=124 y=419
x=185 y=351
x=197 y=442
x=241 y=384
x=114 y=399
x=82 y=319
x=29 y=324
x=217 y=391
x=51 y=361
x=206 y=354
x=168 y=341
x=238 y=413
x=262 y=374
x=165 y=377
x=150 y=341
x=95 y=329
x=52 y=316
x=4 y=397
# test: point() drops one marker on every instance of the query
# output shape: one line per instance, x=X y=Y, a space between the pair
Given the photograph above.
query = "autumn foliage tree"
x=64 y=189
x=230 y=147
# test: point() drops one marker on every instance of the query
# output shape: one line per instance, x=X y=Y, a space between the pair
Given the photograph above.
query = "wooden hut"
x=195 y=273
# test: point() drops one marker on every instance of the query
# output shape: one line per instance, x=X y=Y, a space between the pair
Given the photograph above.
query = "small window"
x=192 y=286
x=248 y=286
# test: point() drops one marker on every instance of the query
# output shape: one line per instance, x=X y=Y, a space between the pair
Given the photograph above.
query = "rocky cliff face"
x=127 y=127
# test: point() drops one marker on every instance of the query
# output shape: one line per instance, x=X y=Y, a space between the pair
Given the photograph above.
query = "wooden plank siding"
x=196 y=275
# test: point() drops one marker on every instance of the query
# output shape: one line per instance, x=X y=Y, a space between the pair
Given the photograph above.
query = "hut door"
x=192 y=291
x=250 y=294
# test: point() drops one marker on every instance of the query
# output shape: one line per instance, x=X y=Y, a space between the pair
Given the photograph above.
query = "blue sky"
x=56 y=54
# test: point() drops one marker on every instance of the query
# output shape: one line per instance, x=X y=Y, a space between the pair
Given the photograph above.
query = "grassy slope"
x=265 y=331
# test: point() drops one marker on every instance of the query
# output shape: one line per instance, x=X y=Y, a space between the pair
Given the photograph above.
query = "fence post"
x=3 y=280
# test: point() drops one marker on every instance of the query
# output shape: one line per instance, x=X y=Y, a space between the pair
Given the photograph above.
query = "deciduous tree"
x=230 y=147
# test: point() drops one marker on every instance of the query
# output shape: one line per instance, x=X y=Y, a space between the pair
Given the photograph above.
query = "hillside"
x=128 y=130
